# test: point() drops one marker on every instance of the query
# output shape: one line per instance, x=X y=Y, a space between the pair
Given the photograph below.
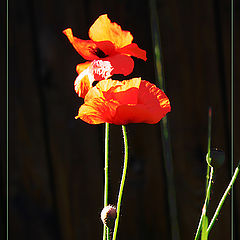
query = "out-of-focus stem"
x=167 y=152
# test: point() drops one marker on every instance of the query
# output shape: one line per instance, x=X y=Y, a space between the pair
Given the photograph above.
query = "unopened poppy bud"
x=108 y=215
x=217 y=157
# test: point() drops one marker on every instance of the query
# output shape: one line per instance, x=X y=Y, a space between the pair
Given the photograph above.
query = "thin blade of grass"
x=204 y=235
x=167 y=152
x=209 y=176
x=209 y=145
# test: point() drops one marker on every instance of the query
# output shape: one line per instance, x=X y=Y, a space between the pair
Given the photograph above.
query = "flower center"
x=98 y=52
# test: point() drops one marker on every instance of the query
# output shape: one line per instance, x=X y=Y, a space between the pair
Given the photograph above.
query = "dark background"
x=56 y=162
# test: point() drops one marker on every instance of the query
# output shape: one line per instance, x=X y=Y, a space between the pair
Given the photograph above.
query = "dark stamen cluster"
x=98 y=52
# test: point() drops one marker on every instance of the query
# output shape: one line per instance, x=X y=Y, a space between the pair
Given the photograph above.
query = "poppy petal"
x=104 y=30
x=89 y=49
x=82 y=83
x=101 y=101
x=129 y=101
x=133 y=50
x=82 y=66
x=97 y=110
x=132 y=114
x=123 y=92
x=86 y=48
x=151 y=107
x=118 y=64
x=100 y=69
x=121 y=64
x=154 y=99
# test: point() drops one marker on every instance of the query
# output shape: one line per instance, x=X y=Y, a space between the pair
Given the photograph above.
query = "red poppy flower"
x=109 y=47
x=123 y=102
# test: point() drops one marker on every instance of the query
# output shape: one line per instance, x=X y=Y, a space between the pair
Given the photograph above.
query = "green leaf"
x=204 y=235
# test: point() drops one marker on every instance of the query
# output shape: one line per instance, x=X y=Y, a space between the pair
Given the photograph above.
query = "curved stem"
x=122 y=181
x=223 y=198
x=105 y=228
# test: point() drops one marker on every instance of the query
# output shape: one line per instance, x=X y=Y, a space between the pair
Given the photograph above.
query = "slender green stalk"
x=209 y=144
x=7 y=127
x=166 y=142
x=209 y=176
x=232 y=114
x=122 y=181
x=105 y=228
x=223 y=198
x=205 y=204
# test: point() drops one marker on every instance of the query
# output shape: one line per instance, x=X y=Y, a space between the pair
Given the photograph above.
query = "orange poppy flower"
x=109 y=47
x=123 y=102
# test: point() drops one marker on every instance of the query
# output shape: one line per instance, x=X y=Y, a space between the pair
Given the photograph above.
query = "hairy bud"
x=108 y=216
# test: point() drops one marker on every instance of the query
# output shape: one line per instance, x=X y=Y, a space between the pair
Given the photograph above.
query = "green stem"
x=208 y=181
x=223 y=198
x=209 y=144
x=122 y=181
x=165 y=131
x=204 y=209
x=105 y=228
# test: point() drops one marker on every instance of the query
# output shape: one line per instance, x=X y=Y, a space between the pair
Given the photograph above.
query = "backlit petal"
x=133 y=50
x=82 y=66
x=82 y=83
x=104 y=30
x=154 y=100
x=86 y=48
x=97 y=110
x=129 y=101
x=121 y=64
x=117 y=64
x=100 y=69
x=123 y=92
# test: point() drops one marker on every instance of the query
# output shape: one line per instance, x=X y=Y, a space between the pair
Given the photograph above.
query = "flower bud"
x=108 y=216
x=217 y=157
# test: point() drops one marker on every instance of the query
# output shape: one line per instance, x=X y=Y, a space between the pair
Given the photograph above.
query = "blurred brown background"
x=56 y=162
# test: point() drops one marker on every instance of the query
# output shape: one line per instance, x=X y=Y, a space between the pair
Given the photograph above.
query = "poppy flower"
x=109 y=47
x=123 y=102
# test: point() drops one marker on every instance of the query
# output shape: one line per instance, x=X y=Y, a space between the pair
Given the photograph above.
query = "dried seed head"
x=108 y=215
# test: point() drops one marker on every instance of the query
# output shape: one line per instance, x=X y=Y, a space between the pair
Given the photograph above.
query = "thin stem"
x=208 y=181
x=165 y=131
x=205 y=204
x=105 y=228
x=209 y=144
x=232 y=114
x=223 y=198
x=122 y=181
